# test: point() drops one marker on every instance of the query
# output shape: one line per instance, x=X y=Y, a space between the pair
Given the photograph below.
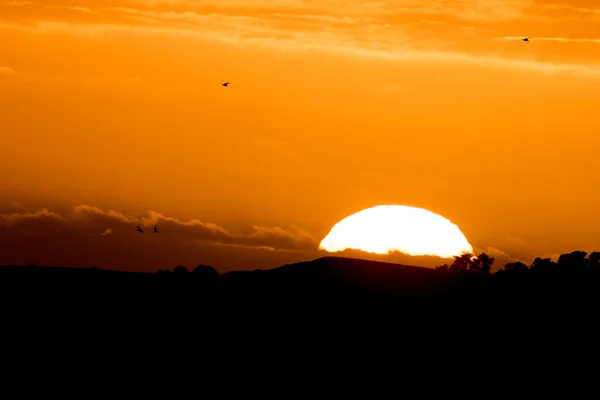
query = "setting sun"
x=410 y=230
x=247 y=129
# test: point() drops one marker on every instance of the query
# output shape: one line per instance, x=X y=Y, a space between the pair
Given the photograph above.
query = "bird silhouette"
x=525 y=39
x=225 y=84
x=155 y=229
x=140 y=230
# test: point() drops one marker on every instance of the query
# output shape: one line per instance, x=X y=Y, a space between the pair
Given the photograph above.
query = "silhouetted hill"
x=325 y=277
x=356 y=312
x=324 y=292
x=342 y=276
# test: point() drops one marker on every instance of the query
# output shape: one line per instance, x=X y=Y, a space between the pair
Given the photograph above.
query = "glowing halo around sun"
x=410 y=230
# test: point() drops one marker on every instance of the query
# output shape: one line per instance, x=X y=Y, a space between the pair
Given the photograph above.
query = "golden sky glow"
x=333 y=107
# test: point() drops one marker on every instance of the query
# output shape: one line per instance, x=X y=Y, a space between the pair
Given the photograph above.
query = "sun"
x=410 y=230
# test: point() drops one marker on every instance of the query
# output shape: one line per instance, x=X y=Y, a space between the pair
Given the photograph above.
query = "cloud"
x=42 y=222
x=243 y=246
x=501 y=257
x=86 y=235
x=463 y=9
x=566 y=6
x=378 y=50
x=16 y=219
x=18 y=3
x=385 y=30
x=497 y=253
x=290 y=238
x=6 y=71
x=552 y=39
x=90 y=220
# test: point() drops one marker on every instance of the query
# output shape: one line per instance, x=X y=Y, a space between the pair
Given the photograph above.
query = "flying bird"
x=140 y=230
x=225 y=84
x=525 y=39
x=155 y=229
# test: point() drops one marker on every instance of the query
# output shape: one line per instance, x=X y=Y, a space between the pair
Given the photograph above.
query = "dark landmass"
x=317 y=307
x=342 y=286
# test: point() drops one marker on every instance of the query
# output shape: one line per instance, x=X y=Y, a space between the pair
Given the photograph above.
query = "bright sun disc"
x=410 y=230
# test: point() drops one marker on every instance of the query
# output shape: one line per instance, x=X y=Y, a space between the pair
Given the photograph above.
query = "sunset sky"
x=112 y=114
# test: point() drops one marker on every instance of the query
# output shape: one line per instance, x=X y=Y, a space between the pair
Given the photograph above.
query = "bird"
x=140 y=230
x=525 y=39
x=225 y=84
x=155 y=229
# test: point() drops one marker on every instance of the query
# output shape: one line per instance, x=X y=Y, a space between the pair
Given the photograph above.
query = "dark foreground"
x=324 y=292
x=342 y=310
x=331 y=320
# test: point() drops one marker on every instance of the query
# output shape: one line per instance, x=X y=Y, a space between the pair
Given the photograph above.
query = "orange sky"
x=334 y=106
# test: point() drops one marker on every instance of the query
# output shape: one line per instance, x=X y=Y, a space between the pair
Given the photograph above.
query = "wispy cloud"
x=464 y=9
x=566 y=6
x=85 y=219
x=19 y=3
x=420 y=30
x=498 y=254
x=107 y=238
x=6 y=71
x=17 y=218
x=379 y=50
x=552 y=39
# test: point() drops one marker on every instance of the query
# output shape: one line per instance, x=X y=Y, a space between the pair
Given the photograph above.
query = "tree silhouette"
x=485 y=263
x=594 y=260
x=516 y=266
x=574 y=261
x=475 y=264
x=205 y=272
x=543 y=265
x=469 y=262
x=443 y=268
x=179 y=270
x=462 y=262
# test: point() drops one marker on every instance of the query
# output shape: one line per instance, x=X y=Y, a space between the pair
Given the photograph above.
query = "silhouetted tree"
x=594 y=260
x=205 y=272
x=543 y=265
x=516 y=266
x=180 y=269
x=462 y=262
x=574 y=261
x=475 y=265
x=469 y=262
x=484 y=263
x=443 y=268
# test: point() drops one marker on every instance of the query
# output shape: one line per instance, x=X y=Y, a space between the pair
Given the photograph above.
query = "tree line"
x=482 y=263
